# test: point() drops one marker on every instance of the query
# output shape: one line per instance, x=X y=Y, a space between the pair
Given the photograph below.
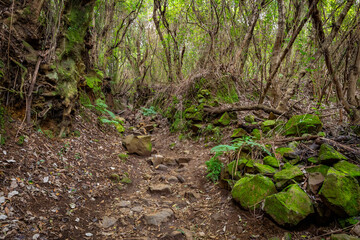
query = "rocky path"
x=84 y=188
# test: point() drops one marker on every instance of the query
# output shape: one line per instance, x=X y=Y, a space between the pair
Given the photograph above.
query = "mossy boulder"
x=286 y=152
x=194 y=113
x=328 y=155
x=289 y=207
x=290 y=174
x=300 y=124
x=256 y=133
x=249 y=118
x=267 y=125
x=140 y=145
x=271 y=161
x=323 y=169
x=249 y=191
x=239 y=132
x=313 y=160
x=264 y=169
x=348 y=168
x=224 y=120
x=341 y=193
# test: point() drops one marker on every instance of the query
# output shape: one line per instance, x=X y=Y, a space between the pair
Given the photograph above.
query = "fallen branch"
x=219 y=110
x=334 y=143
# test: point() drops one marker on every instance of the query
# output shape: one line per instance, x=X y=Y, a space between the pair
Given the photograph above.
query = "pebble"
x=124 y=204
x=158 y=217
x=173 y=179
x=180 y=178
x=36 y=236
x=160 y=188
x=108 y=222
x=2 y=199
x=88 y=234
x=137 y=209
x=161 y=167
x=13 y=193
x=3 y=217
x=357 y=230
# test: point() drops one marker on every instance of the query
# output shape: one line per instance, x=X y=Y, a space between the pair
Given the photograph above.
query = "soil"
x=67 y=189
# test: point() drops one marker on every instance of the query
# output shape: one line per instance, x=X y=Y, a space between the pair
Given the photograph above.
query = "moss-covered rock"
x=323 y=169
x=239 y=132
x=313 y=160
x=267 y=125
x=140 y=145
x=249 y=118
x=286 y=152
x=341 y=193
x=291 y=173
x=271 y=161
x=224 y=120
x=256 y=133
x=328 y=155
x=264 y=169
x=234 y=173
x=348 y=168
x=194 y=113
x=289 y=207
x=300 y=124
x=251 y=190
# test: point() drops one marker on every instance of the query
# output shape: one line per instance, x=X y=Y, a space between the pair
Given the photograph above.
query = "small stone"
x=46 y=179
x=3 y=217
x=13 y=184
x=180 y=178
x=36 y=236
x=356 y=230
x=124 y=204
x=88 y=234
x=158 y=217
x=173 y=179
x=156 y=160
x=137 y=209
x=315 y=181
x=2 y=199
x=108 y=222
x=191 y=196
x=161 y=167
x=160 y=188
x=183 y=160
x=170 y=162
x=13 y=193
x=343 y=236
x=183 y=165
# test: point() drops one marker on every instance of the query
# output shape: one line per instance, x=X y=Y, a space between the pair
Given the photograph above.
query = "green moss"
x=289 y=207
x=300 y=124
x=313 y=159
x=328 y=155
x=264 y=169
x=292 y=173
x=341 y=193
x=225 y=119
x=256 y=133
x=283 y=151
x=271 y=161
x=226 y=92
x=249 y=191
x=194 y=113
x=239 y=132
x=249 y=118
x=348 y=168
x=323 y=169
x=21 y=140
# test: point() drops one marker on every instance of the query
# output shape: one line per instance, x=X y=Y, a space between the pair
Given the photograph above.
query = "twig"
x=29 y=94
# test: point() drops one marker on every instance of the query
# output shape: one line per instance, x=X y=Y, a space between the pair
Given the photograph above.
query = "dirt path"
x=68 y=189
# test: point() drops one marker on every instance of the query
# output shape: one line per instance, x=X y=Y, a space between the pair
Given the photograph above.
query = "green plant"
x=148 y=111
x=123 y=156
x=214 y=166
x=21 y=140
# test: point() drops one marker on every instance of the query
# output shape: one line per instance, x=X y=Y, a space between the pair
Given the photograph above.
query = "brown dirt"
x=65 y=191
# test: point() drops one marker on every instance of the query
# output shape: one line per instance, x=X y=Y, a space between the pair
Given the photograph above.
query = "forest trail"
x=79 y=188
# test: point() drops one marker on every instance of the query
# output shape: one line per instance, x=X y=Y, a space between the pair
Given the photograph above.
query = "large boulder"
x=348 y=168
x=301 y=124
x=341 y=193
x=264 y=169
x=271 y=161
x=249 y=191
x=287 y=175
x=289 y=207
x=140 y=145
x=328 y=155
